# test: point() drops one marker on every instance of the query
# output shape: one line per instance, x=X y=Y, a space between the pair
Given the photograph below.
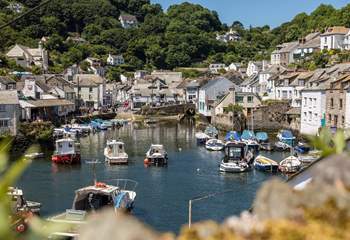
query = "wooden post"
x=189 y=213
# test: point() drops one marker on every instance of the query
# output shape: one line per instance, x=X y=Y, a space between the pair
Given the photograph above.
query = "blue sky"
x=258 y=12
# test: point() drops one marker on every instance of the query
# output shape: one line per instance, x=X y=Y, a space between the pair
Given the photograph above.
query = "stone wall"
x=169 y=110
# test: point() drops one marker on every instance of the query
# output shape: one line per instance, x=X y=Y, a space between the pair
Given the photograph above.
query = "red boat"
x=67 y=152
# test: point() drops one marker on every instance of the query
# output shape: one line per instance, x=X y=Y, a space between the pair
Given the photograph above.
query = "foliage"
x=182 y=36
x=236 y=108
x=329 y=144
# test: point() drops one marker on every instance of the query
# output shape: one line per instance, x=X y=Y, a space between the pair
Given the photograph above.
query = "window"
x=335 y=120
x=239 y=99
x=343 y=120
x=329 y=118
x=310 y=116
x=332 y=102
x=305 y=101
x=279 y=93
x=90 y=89
x=316 y=117
x=250 y=99
x=305 y=116
x=2 y=108
x=4 y=123
x=340 y=103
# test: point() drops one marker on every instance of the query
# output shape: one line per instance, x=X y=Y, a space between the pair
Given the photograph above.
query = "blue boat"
x=97 y=124
x=232 y=136
x=286 y=136
x=262 y=137
x=302 y=148
x=248 y=135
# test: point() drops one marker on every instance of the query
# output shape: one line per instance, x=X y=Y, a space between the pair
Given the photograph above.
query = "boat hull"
x=266 y=168
x=233 y=168
x=66 y=159
x=158 y=162
x=116 y=160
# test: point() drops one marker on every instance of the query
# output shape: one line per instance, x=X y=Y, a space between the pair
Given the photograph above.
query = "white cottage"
x=9 y=112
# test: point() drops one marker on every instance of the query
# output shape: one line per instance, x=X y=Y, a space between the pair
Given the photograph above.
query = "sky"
x=258 y=12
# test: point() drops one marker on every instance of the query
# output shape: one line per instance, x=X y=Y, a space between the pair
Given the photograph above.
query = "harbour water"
x=162 y=193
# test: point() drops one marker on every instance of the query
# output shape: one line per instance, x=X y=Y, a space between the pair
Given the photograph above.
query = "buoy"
x=146 y=161
x=198 y=169
x=180 y=149
x=20 y=228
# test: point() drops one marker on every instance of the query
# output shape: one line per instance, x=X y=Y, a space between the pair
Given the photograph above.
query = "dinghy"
x=214 y=145
x=265 y=164
x=290 y=165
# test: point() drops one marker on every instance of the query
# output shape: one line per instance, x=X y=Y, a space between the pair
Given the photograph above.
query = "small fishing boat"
x=115 y=153
x=265 y=164
x=99 y=124
x=214 y=145
x=281 y=146
x=232 y=136
x=20 y=203
x=262 y=137
x=309 y=157
x=211 y=131
x=58 y=133
x=235 y=160
x=202 y=138
x=286 y=136
x=248 y=135
x=35 y=155
x=291 y=164
x=67 y=152
x=156 y=155
x=302 y=148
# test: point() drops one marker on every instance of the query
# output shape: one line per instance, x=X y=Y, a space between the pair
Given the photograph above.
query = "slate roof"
x=88 y=80
x=9 y=97
x=336 y=30
x=49 y=102
x=6 y=80
x=128 y=17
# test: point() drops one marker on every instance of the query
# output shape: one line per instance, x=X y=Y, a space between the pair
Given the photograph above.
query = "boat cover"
x=248 y=135
x=286 y=134
x=262 y=136
x=232 y=135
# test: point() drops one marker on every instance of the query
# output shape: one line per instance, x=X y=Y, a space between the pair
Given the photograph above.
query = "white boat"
x=35 y=155
x=91 y=199
x=115 y=153
x=291 y=164
x=202 y=138
x=310 y=157
x=235 y=160
x=214 y=145
x=282 y=146
x=156 y=155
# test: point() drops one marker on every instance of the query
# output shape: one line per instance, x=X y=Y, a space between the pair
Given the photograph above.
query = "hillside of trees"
x=183 y=35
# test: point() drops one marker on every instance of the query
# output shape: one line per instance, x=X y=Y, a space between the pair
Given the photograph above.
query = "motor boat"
x=67 y=152
x=235 y=160
x=232 y=136
x=291 y=164
x=281 y=146
x=20 y=203
x=202 y=138
x=99 y=124
x=156 y=155
x=115 y=153
x=211 y=131
x=265 y=164
x=302 y=148
x=286 y=136
x=214 y=145
x=92 y=199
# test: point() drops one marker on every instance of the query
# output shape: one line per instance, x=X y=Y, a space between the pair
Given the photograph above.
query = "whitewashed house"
x=307 y=46
x=347 y=41
x=333 y=38
x=139 y=74
x=230 y=36
x=216 y=67
x=115 y=60
x=95 y=66
x=192 y=92
x=7 y=83
x=9 y=112
x=267 y=86
x=29 y=57
x=128 y=21
x=313 y=110
x=255 y=67
x=90 y=90
x=34 y=87
x=233 y=67
x=211 y=92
